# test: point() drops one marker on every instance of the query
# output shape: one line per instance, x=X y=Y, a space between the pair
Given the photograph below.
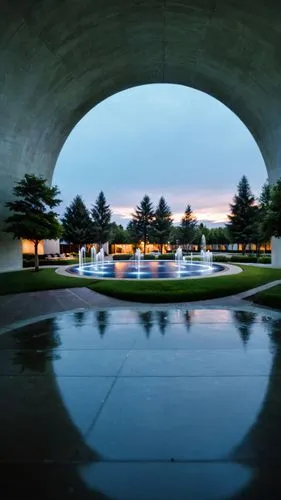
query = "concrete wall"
x=276 y=252
x=59 y=59
x=10 y=253
x=51 y=246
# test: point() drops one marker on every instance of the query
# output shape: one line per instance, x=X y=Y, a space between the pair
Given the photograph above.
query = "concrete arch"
x=60 y=58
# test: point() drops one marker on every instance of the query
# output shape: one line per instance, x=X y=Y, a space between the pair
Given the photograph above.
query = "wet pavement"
x=142 y=404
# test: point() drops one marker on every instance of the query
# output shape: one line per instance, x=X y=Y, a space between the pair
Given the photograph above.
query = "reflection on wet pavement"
x=146 y=404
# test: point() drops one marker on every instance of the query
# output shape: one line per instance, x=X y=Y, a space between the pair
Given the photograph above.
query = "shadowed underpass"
x=67 y=410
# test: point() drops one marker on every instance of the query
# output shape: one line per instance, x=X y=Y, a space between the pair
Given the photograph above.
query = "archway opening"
x=160 y=139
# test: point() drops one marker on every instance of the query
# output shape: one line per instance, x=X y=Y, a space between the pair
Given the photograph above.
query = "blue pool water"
x=153 y=269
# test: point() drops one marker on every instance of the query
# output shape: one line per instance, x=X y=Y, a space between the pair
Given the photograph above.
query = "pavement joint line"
x=170 y=461
x=103 y=403
x=17 y=375
x=72 y=291
x=137 y=349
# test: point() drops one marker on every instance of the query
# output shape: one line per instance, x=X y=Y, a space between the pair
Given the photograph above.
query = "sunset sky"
x=165 y=140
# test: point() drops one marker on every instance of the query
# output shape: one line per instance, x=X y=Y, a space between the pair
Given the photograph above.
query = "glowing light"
x=149 y=269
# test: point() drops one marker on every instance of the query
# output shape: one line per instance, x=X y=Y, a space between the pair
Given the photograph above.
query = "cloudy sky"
x=161 y=140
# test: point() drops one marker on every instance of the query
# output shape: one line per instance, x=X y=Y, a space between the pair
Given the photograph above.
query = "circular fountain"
x=139 y=268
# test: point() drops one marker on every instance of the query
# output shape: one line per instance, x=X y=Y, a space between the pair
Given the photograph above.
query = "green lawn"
x=29 y=281
x=187 y=290
x=142 y=291
x=270 y=298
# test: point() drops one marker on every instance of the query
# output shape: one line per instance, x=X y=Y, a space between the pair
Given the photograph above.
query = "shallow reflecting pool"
x=154 y=269
x=141 y=404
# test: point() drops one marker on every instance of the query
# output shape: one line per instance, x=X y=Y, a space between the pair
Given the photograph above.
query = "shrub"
x=167 y=256
x=122 y=256
x=54 y=262
x=220 y=258
x=28 y=256
x=264 y=260
x=244 y=258
x=149 y=257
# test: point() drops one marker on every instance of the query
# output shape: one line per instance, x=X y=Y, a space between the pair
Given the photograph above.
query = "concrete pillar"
x=276 y=252
x=274 y=176
x=10 y=249
x=10 y=253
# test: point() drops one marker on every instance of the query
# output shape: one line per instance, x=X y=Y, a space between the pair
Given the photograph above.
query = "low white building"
x=45 y=247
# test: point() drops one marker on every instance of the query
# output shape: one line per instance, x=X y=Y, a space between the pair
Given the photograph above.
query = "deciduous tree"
x=32 y=216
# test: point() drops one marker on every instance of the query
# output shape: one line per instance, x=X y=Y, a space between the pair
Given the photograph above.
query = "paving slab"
x=142 y=403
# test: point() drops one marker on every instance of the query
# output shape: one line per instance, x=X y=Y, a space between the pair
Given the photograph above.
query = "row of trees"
x=251 y=220
x=80 y=225
x=33 y=218
x=156 y=226
x=255 y=220
x=147 y=224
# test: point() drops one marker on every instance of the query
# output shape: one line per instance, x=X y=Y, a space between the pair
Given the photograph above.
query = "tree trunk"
x=36 y=258
x=244 y=248
x=144 y=247
x=161 y=248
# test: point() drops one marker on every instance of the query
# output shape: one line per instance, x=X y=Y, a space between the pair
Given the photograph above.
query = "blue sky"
x=165 y=140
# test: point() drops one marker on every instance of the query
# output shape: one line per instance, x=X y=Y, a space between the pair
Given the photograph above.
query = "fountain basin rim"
x=227 y=269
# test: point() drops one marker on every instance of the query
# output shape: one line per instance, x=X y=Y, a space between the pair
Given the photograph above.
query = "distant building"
x=66 y=247
x=128 y=248
x=45 y=247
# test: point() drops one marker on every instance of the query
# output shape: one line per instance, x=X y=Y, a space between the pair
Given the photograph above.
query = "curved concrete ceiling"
x=60 y=58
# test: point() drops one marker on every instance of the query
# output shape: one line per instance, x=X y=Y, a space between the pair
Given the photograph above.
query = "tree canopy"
x=118 y=234
x=101 y=215
x=77 y=223
x=32 y=216
x=243 y=215
x=140 y=227
x=272 y=218
x=188 y=227
x=162 y=224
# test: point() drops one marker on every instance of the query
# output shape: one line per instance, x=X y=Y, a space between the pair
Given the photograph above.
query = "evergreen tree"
x=265 y=197
x=260 y=224
x=243 y=215
x=162 y=223
x=142 y=220
x=33 y=218
x=188 y=227
x=272 y=220
x=101 y=215
x=77 y=224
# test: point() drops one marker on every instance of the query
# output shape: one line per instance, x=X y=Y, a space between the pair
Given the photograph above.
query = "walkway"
x=16 y=308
